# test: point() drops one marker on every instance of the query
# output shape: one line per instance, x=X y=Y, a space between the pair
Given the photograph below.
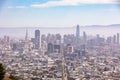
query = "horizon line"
x=61 y=26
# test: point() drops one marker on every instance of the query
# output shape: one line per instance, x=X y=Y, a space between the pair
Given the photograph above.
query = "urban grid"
x=56 y=57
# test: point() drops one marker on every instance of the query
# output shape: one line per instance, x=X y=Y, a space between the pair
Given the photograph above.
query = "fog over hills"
x=62 y=27
x=19 y=32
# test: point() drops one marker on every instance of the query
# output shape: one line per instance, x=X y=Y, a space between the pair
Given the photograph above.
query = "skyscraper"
x=114 y=39
x=77 y=31
x=50 y=47
x=77 y=42
x=37 y=39
x=84 y=37
x=26 y=36
x=118 y=36
x=43 y=43
x=109 y=40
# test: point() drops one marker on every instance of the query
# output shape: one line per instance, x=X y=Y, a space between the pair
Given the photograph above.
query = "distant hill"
x=115 y=25
x=112 y=25
x=62 y=27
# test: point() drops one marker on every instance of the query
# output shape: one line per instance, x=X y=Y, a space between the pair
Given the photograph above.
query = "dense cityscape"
x=56 y=57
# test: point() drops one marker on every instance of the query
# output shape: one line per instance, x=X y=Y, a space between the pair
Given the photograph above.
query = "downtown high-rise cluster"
x=56 y=57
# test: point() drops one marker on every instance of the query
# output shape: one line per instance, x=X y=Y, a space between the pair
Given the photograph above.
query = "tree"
x=2 y=72
x=12 y=77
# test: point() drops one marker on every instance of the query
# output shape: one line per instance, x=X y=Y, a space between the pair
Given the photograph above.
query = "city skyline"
x=53 y=57
x=59 y=39
x=58 y=13
x=19 y=32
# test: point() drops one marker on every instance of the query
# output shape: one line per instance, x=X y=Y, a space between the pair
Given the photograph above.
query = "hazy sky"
x=56 y=13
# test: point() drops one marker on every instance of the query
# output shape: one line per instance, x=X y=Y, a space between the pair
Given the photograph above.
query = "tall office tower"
x=97 y=39
x=57 y=48
x=50 y=48
x=109 y=39
x=77 y=42
x=84 y=37
x=70 y=48
x=114 y=39
x=14 y=47
x=6 y=39
x=51 y=38
x=77 y=31
x=37 y=39
x=43 y=43
x=26 y=41
x=58 y=39
x=26 y=36
x=118 y=38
